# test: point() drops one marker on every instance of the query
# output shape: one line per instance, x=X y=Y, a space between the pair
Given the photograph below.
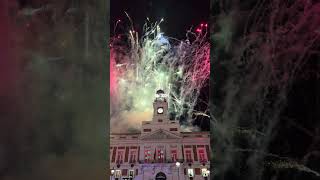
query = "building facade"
x=161 y=150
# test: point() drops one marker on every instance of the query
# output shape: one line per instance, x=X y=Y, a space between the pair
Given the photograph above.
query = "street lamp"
x=112 y=171
x=178 y=166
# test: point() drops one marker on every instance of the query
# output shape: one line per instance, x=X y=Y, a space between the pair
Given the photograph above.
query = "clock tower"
x=160 y=119
x=160 y=107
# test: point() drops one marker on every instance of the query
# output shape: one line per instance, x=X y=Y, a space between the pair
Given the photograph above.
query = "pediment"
x=160 y=134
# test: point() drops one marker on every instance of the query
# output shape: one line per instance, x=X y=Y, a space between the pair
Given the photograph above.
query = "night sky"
x=179 y=16
x=265 y=102
x=54 y=85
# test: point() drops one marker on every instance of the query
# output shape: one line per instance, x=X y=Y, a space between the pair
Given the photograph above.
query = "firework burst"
x=140 y=65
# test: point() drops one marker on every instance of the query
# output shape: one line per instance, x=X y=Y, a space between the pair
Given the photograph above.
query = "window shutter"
x=195 y=153
x=138 y=154
x=182 y=152
x=114 y=154
x=208 y=152
x=126 y=155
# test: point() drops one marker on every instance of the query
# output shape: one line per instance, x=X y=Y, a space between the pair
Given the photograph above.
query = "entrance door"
x=161 y=176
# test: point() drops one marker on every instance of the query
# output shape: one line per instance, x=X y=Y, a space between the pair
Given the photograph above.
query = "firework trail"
x=140 y=65
x=259 y=63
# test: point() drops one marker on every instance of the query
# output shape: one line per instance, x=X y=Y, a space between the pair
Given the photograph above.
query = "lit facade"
x=161 y=150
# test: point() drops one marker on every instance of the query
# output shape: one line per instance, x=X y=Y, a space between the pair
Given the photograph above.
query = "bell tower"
x=160 y=107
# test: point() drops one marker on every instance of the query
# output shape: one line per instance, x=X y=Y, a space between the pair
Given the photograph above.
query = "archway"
x=161 y=176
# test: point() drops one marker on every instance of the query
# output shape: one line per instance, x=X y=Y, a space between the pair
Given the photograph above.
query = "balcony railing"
x=159 y=161
x=151 y=161
x=132 y=161
x=119 y=161
x=203 y=161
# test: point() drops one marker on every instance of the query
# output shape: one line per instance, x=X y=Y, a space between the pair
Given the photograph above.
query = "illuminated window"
x=117 y=174
x=202 y=155
x=188 y=156
x=120 y=157
x=131 y=173
x=190 y=173
x=204 y=172
x=147 y=155
x=174 y=155
x=161 y=155
x=132 y=156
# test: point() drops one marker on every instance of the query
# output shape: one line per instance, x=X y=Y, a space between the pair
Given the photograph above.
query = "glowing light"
x=152 y=62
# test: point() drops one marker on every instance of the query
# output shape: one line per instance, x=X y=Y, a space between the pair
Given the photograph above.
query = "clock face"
x=160 y=110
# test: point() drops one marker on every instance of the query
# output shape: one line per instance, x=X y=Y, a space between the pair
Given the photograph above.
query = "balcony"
x=119 y=161
x=203 y=161
x=132 y=161
x=159 y=161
